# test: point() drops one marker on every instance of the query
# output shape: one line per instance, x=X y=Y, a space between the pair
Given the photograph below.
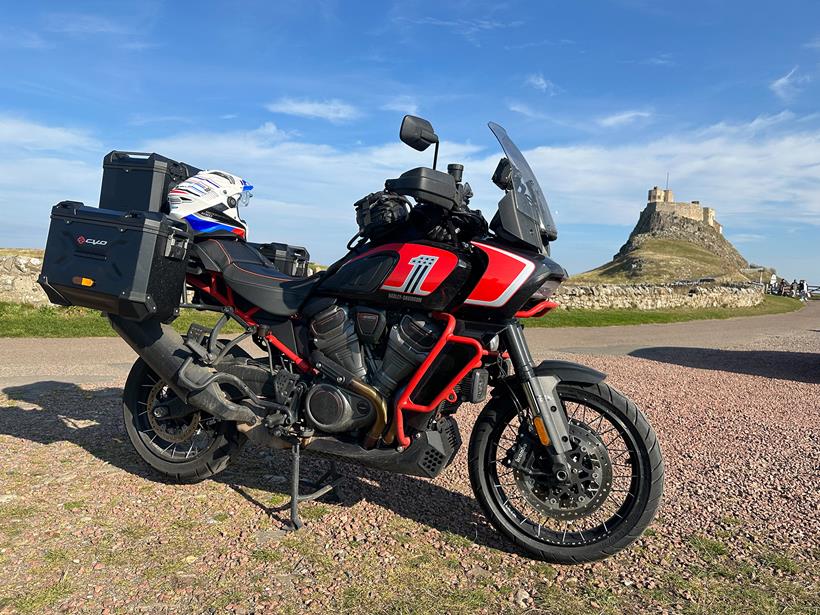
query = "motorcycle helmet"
x=209 y=202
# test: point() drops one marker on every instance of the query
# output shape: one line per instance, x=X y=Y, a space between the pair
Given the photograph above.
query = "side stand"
x=328 y=481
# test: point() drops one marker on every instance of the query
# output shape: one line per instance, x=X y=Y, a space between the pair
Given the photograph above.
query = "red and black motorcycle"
x=369 y=361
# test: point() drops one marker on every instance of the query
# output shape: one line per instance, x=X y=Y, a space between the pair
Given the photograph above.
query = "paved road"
x=105 y=360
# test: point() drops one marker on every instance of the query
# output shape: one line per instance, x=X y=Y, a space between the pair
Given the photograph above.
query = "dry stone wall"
x=18 y=280
x=655 y=297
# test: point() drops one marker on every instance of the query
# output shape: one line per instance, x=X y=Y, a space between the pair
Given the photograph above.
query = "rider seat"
x=254 y=277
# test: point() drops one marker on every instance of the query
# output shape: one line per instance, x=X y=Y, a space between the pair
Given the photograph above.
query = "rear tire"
x=543 y=539
x=222 y=444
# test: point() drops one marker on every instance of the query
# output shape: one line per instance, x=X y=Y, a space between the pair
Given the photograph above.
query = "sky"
x=304 y=100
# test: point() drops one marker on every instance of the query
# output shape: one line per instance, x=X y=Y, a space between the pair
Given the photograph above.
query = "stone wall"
x=654 y=297
x=18 y=280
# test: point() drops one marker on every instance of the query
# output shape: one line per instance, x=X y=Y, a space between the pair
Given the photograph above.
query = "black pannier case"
x=292 y=260
x=128 y=264
x=135 y=181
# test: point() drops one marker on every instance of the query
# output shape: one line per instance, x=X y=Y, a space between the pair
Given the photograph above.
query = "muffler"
x=163 y=349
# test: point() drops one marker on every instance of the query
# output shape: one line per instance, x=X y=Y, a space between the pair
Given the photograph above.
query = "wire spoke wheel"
x=173 y=438
x=602 y=502
x=178 y=441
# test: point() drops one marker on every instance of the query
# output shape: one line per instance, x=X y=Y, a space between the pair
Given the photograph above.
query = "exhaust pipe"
x=163 y=349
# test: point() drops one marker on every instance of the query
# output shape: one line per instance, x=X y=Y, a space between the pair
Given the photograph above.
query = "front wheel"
x=612 y=491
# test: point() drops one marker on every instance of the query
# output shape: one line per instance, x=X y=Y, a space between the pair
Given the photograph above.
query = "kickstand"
x=331 y=480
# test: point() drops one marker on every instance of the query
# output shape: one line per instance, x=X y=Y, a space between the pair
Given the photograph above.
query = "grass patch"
x=708 y=548
x=606 y=318
x=75 y=505
x=39 y=600
x=780 y=562
x=20 y=320
x=312 y=513
x=268 y=556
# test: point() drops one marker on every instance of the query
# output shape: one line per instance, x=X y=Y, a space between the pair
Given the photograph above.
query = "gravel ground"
x=84 y=527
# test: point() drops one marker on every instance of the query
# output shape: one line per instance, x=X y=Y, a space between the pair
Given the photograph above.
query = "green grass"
x=20 y=320
x=664 y=260
x=607 y=318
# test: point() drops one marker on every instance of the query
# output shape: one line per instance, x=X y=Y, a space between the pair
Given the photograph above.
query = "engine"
x=362 y=342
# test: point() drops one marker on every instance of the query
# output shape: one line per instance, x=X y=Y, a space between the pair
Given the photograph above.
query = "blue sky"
x=304 y=99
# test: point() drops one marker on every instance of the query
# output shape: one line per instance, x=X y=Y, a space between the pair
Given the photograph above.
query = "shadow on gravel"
x=48 y=412
x=797 y=366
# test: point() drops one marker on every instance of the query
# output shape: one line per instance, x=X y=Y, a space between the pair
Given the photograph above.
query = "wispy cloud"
x=23 y=39
x=31 y=136
x=662 y=59
x=541 y=43
x=538 y=82
x=143 y=119
x=813 y=44
x=469 y=28
x=623 y=118
x=402 y=104
x=525 y=110
x=81 y=23
x=333 y=110
x=746 y=237
x=789 y=85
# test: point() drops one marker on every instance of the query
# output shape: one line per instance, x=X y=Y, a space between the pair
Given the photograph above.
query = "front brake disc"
x=588 y=485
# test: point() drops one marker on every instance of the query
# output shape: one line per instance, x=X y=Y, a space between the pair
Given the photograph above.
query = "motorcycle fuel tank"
x=417 y=274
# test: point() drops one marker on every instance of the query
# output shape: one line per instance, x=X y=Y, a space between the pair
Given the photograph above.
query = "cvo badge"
x=81 y=241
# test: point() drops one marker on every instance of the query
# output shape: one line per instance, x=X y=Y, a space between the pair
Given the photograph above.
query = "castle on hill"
x=663 y=201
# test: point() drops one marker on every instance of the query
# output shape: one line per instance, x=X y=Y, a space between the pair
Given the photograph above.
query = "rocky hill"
x=665 y=247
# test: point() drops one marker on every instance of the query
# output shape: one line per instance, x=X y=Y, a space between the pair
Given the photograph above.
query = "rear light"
x=546 y=290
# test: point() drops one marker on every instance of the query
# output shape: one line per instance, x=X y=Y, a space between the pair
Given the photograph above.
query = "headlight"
x=545 y=292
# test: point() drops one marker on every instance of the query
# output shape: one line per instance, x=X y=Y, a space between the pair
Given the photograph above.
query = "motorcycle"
x=368 y=361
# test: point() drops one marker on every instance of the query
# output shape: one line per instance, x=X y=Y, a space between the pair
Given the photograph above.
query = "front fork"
x=542 y=396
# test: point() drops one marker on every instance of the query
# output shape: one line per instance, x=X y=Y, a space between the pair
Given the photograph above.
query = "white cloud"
x=80 y=23
x=789 y=85
x=621 y=119
x=23 y=39
x=333 y=110
x=525 y=110
x=27 y=135
x=813 y=44
x=402 y=104
x=538 y=82
x=758 y=173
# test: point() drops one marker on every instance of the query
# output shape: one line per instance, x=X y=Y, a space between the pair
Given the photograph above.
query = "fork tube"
x=540 y=390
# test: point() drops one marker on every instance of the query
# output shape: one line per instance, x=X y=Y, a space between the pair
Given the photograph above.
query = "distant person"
x=773 y=284
x=793 y=288
x=804 y=291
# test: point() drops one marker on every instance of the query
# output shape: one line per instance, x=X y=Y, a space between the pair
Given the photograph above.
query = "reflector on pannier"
x=129 y=264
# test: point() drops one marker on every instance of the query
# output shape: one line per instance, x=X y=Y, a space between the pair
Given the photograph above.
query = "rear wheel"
x=611 y=493
x=186 y=447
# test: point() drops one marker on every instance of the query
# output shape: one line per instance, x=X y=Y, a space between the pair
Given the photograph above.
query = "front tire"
x=189 y=449
x=591 y=520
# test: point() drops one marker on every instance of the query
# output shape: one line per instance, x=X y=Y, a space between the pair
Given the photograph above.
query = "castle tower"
x=659 y=195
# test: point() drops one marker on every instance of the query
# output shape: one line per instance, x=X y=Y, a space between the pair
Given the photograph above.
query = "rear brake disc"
x=176 y=430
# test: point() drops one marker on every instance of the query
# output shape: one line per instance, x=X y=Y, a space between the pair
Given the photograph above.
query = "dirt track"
x=85 y=527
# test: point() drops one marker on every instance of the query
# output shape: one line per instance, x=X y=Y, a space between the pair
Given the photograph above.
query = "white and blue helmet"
x=209 y=202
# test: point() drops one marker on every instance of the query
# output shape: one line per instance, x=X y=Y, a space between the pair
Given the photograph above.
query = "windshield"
x=528 y=199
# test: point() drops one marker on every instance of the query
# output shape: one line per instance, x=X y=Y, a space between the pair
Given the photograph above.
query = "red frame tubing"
x=539 y=309
x=448 y=392
x=228 y=300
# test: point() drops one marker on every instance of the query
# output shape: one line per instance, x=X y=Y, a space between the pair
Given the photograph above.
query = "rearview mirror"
x=417 y=133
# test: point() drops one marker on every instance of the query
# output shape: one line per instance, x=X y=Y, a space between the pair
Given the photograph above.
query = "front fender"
x=567 y=371
x=564 y=371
